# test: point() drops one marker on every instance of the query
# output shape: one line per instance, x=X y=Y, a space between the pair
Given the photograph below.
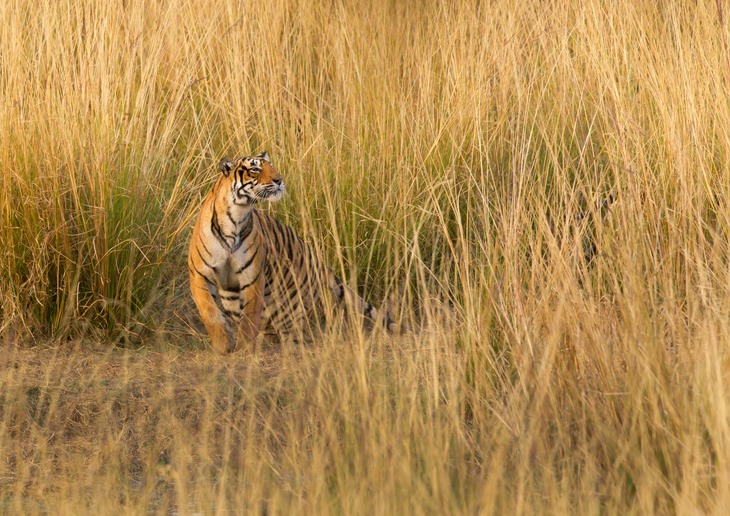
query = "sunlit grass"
x=539 y=191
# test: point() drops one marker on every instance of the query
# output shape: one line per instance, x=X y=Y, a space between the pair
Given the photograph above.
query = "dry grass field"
x=541 y=190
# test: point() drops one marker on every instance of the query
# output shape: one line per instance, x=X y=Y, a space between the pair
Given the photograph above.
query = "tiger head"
x=252 y=179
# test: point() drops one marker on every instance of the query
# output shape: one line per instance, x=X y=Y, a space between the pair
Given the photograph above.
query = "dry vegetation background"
x=558 y=171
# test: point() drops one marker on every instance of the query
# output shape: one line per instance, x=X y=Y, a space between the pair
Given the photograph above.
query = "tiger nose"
x=277 y=181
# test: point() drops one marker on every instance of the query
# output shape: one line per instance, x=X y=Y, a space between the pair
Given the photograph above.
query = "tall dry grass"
x=557 y=172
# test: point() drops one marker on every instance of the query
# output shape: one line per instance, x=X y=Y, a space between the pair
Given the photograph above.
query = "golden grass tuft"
x=555 y=172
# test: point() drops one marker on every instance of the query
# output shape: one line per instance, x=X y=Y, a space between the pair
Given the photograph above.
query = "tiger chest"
x=238 y=270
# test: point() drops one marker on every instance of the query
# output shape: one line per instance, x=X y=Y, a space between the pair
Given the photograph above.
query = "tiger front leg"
x=212 y=317
x=252 y=302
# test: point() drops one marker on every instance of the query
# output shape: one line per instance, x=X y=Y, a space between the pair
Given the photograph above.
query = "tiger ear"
x=226 y=165
x=264 y=156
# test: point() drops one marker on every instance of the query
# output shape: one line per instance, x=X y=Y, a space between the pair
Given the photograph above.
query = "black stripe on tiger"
x=255 y=242
x=247 y=228
x=341 y=288
x=195 y=270
x=249 y=262
x=289 y=237
x=370 y=311
x=204 y=247
x=244 y=287
x=230 y=217
x=204 y=260
x=216 y=228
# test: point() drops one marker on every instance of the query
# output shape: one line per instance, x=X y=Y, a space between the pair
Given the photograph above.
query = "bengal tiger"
x=252 y=274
